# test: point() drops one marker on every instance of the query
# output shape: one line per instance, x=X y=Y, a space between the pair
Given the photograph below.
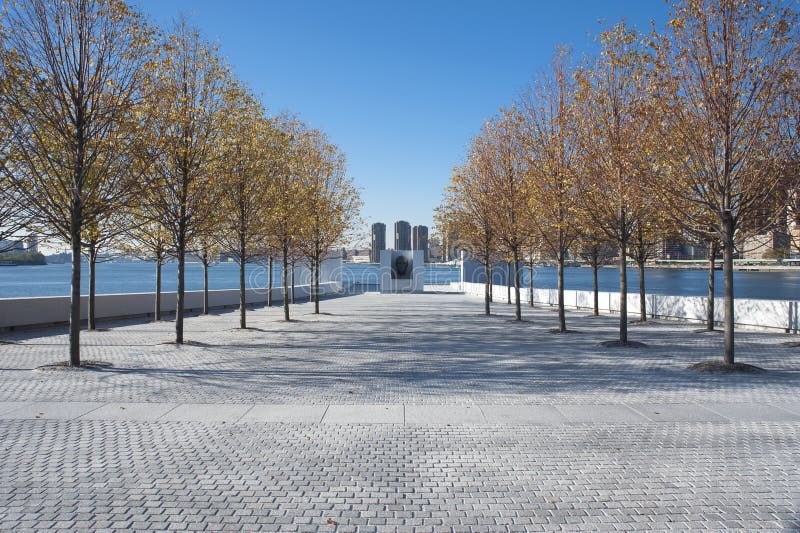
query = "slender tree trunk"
x=642 y=299
x=75 y=289
x=92 y=315
x=517 y=303
x=316 y=290
x=286 y=281
x=181 y=252
x=291 y=274
x=623 y=292
x=311 y=266
x=727 y=267
x=562 y=315
x=595 y=266
x=712 y=260
x=242 y=293
x=530 y=285
x=269 y=282
x=491 y=283
x=315 y=282
x=158 y=290
x=508 y=282
x=205 y=287
x=487 y=296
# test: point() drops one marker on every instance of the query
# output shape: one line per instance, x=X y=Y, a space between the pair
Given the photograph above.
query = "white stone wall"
x=16 y=312
x=772 y=314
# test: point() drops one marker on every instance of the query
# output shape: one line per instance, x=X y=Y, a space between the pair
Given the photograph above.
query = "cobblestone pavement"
x=397 y=413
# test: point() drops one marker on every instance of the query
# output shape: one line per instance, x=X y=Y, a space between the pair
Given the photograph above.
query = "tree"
x=594 y=247
x=245 y=182
x=207 y=249
x=723 y=70
x=548 y=135
x=332 y=202
x=500 y=160
x=612 y=132
x=149 y=239
x=466 y=216
x=100 y=234
x=73 y=104
x=286 y=215
x=652 y=230
x=192 y=85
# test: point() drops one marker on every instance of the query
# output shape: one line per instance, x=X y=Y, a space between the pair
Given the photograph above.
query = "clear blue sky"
x=400 y=86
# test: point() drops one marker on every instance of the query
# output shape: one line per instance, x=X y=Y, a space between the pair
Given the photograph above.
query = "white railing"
x=772 y=314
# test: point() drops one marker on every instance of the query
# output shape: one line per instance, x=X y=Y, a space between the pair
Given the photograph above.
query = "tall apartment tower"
x=419 y=240
x=402 y=235
x=378 y=242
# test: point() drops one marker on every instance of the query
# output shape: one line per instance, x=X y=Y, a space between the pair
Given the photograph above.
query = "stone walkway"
x=397 y=413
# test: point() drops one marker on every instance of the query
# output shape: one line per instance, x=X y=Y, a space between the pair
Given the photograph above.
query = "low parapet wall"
x=39 y=311
x=772 y=314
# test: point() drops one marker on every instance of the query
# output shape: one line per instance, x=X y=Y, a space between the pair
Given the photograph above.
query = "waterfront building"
x=402 y=235
x=378 y=242
x=419 y=241
x=12 y=245
x=32 y=244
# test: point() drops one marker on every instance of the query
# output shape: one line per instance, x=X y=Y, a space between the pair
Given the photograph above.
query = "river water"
x=124 y=277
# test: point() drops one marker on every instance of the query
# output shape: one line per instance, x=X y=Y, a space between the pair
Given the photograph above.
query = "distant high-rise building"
x=378 y=242
x=419 y=238
x=402 y=235
x=32 y=243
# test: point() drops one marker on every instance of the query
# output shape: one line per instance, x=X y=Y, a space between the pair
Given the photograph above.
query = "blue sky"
x=399 y=86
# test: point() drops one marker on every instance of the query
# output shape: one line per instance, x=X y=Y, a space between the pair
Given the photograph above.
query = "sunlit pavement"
x=406 y=412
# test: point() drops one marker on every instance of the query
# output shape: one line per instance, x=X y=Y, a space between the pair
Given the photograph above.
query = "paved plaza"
x=397 y=413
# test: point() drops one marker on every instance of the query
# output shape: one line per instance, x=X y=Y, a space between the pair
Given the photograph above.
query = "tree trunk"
x=158 y=290
x=595 y=266
x=205 y=287
x=292 y=276
x=315 y=282
x=286 y=281
x=727 y=271
x=508 y=282
x=91 y=315
x=642 y=299
x=316 y=290
x=530 y=285
x=491 y=283
x=562 y=316
x=712 y=259
x=269 y=282
x=517 y=303
x=181 y=252
x=75 y=289
x=242 y=294
x=487 y=296
x=623 y=293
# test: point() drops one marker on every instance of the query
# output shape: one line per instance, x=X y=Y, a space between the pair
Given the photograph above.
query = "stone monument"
x=402 y=271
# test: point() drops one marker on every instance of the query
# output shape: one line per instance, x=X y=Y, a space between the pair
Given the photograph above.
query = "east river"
x=125 y=277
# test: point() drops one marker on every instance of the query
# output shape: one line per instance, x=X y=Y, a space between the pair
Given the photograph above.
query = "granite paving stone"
x=600 y=414
x=52 y=410
x=285 y=413
x=443 y=414
x=129 y=411
x=677 y=412
x=397 y=413
x=522 y=414
x=364 y=414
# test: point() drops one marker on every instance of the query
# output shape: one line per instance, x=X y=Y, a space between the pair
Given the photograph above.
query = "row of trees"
x=692 y=131
x=118 y=136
